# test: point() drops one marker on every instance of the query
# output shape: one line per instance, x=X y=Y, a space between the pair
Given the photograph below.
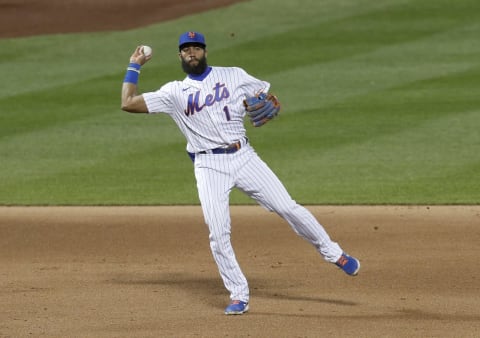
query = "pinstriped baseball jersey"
x=209 y=110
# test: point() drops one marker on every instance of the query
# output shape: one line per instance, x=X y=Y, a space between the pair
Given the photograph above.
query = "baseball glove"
x=261 y=108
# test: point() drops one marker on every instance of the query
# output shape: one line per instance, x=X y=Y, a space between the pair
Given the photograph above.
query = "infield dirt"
x=148 y=271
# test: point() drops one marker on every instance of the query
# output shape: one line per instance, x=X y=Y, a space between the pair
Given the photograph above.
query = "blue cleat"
x=349 y=264
x=236 y=307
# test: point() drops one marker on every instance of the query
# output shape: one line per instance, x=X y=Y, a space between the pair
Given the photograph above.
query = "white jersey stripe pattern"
x=210 y=112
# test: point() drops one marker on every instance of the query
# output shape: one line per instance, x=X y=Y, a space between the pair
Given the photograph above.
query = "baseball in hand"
x=147 y=50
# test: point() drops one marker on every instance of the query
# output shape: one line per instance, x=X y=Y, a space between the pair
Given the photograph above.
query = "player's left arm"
x=133 y=102
x=260 y=105
x=261 y=108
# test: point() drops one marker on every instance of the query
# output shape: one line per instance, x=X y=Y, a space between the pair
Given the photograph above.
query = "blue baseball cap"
x=191 y=37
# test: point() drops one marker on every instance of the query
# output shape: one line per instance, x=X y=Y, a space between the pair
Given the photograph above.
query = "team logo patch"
x=191 y=35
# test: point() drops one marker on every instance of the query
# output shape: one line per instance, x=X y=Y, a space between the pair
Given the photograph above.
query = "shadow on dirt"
x=212 y=287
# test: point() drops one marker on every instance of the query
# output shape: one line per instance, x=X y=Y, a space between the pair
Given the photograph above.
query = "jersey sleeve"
x=159 y=101
x=250 y=85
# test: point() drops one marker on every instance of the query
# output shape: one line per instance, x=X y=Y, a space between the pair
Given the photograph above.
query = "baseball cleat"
x=349 y=264
x=236 y=307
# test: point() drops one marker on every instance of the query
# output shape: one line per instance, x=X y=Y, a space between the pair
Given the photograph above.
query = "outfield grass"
x=381 y=104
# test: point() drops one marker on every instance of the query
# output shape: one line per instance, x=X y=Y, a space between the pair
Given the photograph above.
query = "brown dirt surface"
x=148 y=271
x=34 y=17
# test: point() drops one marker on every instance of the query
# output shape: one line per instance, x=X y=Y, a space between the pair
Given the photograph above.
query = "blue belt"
x=230 y=149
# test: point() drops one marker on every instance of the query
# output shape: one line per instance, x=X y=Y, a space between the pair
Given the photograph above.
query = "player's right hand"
x=138 y=56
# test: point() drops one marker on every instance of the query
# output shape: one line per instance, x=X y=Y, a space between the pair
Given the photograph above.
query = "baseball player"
x=209 y=106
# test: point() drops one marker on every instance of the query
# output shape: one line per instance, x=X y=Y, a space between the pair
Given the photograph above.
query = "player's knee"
x=219 y=240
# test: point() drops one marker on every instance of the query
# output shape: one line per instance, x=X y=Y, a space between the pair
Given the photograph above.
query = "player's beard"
x=197 y=69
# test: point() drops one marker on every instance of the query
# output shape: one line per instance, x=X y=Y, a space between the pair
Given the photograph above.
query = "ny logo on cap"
x=191 y=35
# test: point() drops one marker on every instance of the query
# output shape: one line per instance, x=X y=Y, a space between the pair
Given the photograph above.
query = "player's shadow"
x=277 y=295
x=211 y=290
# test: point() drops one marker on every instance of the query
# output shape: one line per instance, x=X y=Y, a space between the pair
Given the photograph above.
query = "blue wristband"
x=131 y=77
x=133 y=71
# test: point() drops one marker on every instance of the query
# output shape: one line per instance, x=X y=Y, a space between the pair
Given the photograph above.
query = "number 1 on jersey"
x=227 y=112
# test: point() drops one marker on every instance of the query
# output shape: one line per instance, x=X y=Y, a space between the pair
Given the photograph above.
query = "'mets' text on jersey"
x=194 y=104
x=209 y=111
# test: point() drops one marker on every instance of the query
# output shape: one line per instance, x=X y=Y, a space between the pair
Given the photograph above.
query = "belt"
x=230 y=149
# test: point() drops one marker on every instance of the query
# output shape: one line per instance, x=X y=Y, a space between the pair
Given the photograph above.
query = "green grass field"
x=381 y=105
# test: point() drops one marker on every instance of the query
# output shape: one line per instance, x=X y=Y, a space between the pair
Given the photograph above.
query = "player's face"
x=194 y=59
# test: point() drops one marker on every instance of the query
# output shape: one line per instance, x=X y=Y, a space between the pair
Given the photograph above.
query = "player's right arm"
x=132 y=102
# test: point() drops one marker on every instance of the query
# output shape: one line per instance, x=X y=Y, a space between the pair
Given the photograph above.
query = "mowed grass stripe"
x=85 y=143
x=97 y=161
x=70 y=103
x=327 y=83
x=334 y=40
